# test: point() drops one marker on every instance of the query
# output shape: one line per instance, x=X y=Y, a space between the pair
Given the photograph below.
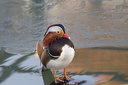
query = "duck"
x=56 y=51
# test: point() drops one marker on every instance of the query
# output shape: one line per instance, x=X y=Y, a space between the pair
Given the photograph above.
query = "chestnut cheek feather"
x=50 y=38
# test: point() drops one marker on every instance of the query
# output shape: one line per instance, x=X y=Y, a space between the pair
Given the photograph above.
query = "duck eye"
x=58 y=32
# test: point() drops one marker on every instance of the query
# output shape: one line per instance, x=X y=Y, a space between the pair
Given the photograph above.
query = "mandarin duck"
x=57 y=50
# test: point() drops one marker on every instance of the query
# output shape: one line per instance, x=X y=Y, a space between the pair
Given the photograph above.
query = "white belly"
x=64 y=60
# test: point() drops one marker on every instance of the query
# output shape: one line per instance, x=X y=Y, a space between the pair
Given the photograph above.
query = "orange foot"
x=58 y=80
x=65 y=77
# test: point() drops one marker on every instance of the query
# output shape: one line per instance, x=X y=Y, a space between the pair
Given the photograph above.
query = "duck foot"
x=66 y=78
x=58 y=80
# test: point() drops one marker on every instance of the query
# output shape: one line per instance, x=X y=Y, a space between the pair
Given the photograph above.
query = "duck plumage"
x=57 y=48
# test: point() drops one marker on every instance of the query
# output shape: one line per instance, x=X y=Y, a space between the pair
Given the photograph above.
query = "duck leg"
x=65 y=77
x=57 y=79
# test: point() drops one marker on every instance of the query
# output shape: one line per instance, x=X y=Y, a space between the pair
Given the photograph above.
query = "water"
x=89 y=23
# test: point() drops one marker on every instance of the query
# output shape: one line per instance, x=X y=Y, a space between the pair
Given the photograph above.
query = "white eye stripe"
x=54 y=29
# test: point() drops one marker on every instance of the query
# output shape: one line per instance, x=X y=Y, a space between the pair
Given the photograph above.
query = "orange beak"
x=66 y=36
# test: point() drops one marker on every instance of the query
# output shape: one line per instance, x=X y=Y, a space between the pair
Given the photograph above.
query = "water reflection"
x=107 y=64
x=11 y=65
x=92 y=69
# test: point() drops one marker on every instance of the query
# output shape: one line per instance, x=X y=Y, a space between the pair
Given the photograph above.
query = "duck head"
x=53 y=33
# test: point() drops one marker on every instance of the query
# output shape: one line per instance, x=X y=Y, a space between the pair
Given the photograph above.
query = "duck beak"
x=66 y=36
